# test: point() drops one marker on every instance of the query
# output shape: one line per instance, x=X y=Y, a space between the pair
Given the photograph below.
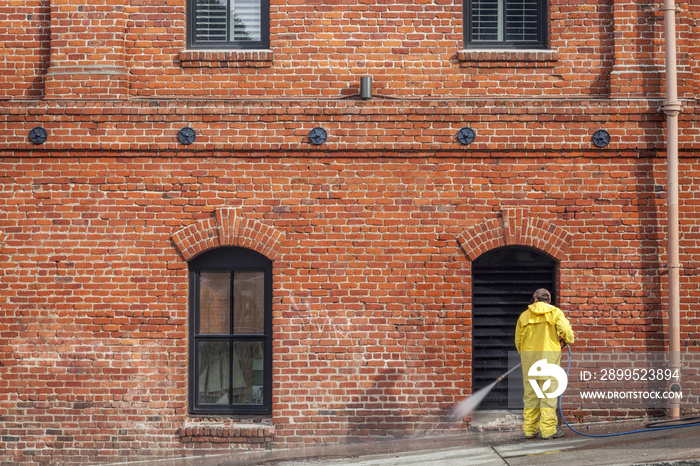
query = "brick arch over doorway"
x=515 y=227
x=228 y=228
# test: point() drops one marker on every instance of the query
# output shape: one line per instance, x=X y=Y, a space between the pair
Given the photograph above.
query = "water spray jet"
x=469 y=404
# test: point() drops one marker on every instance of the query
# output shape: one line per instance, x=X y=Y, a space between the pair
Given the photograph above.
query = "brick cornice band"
x=227 y=227
x=515 y=227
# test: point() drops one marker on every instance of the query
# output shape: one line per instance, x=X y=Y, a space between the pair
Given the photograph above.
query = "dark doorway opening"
x=503 y=281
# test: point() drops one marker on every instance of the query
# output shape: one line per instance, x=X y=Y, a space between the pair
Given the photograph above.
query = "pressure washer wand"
x=469 y=404
x=506 y=374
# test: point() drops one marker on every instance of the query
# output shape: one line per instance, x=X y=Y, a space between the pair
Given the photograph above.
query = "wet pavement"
x=667 y=447
x=676 y=447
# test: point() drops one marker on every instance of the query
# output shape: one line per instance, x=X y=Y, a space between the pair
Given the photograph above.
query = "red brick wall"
x=24 y=48
x=372 y=233
x=413 y=50
x=371 y=286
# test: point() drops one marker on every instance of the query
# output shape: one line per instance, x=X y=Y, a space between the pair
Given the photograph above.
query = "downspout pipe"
x=672 y=108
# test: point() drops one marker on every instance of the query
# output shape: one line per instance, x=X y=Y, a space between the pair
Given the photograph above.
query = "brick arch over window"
x=228 y=228
x=515 y=227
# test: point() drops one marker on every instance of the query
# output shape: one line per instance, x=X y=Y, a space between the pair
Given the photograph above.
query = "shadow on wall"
x=392 y=407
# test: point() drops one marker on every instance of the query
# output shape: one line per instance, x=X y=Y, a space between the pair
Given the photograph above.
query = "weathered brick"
x=372 y=233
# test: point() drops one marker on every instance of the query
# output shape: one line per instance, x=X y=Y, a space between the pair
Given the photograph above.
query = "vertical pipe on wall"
x=672 y=108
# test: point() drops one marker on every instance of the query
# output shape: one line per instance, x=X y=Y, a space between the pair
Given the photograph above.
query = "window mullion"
x=229 y=29
x=230 y=372
x=232 y=302
x=501 y=20
x=231 y=339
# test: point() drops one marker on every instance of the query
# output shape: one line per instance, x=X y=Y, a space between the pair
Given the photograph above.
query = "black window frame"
x=229 y=259
x=542 y=30
x=263 y=43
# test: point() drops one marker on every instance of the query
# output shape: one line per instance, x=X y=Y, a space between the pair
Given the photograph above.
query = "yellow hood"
x=541 y=327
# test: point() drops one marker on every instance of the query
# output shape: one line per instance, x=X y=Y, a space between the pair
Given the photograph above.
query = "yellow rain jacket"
x=537 y=336
x=541 y=327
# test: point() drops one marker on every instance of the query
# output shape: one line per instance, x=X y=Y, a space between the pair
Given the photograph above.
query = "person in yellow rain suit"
x=538 y=335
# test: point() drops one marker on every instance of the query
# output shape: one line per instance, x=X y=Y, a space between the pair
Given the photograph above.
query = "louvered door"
x=503 y=281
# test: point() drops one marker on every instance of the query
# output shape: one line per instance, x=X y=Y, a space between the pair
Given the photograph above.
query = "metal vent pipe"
x=672 y=108
x=366 y=87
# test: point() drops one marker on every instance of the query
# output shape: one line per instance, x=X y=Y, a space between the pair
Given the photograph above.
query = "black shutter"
x=522 y=21
x=484 y=20
x=210 y=22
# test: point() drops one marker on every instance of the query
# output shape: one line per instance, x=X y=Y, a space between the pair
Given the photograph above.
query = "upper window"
x=237 y=24
x=505 y=23
x=230 y=332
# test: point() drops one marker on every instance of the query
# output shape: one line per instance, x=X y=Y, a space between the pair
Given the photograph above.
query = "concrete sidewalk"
x=678 y=447
x=665 y=447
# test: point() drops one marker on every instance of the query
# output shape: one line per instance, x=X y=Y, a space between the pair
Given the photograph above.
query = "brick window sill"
x=492 y=58
x=225 y=432
x=226 y=58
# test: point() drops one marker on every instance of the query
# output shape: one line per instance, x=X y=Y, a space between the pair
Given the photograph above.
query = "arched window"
x=503 y=281
x=230 y=312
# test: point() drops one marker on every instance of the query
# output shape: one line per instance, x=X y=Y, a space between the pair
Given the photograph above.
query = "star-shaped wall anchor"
x=466 y=136
x=186 y=135
x=601 y=138
x=318 y=135
x=38 y=135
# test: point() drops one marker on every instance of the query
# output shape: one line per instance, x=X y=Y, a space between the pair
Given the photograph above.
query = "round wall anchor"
x=601 y=138
x=186 y=135
x=318 y=135
x=38 y=135
x=466 y=135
